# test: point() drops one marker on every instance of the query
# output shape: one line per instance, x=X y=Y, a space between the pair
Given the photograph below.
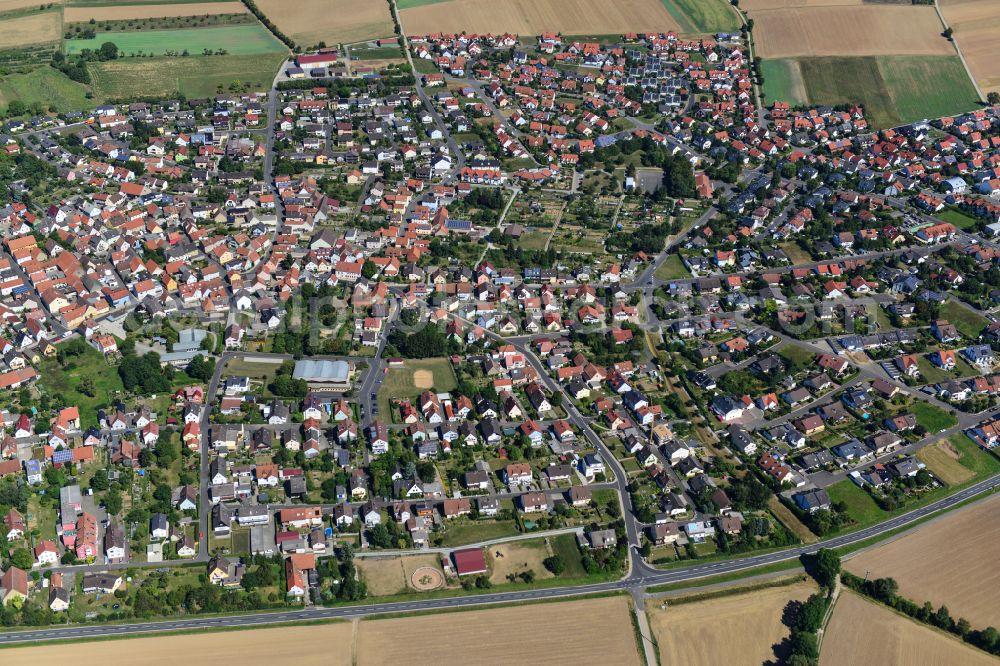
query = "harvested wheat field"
x=952 y=561
x=11 y=5
x=863 y=632
x=315 y=645
x=542 y=633
x=531 y=17
x=33 y=29
x=855 y=31
x=331 y=21
x=977 y=31
x=737 y=629
x=83 y=13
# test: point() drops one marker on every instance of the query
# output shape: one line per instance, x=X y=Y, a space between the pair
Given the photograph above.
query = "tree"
x=555 y=564
x=993 y=97
x=825 y=567
x=113 y=502
x=87 y=386
x=811 y=612
x=108 y=51
x=201 y=368
x=21 y=558
x=380 y=536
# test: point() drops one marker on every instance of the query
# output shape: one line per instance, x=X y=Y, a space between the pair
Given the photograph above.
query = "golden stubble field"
x=862 y=632
x=555 y=633
x=861 y=30
x=332 y=21
x=977 y=31
x=543 y=634
x=32 y=29
x=532 y=17
x=316 y=645
x=952 y=561
x=83 y=13
x=736 y=629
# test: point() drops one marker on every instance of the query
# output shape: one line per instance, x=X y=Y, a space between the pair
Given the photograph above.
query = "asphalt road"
x=635 y=581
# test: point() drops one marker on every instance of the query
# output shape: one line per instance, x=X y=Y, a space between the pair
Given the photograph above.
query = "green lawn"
x=893 y=89
x=63 y=379
x=958 y=218
x=565 y=546
x=237 y=40
x=46 y=86
x=460 y=534
x=932 y=417
x=783 y=82
x=194 y=76
x=796 y=354
x=672 y=269
x=932 y=374
x=969 y=323
x=860 y=505
x=982 y=463
x=703 y=16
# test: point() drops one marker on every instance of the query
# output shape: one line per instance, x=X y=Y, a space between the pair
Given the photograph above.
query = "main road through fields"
x=638 y=580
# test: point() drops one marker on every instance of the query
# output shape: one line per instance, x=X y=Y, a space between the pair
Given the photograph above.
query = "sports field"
x=956 y=565
x=332 y=21
x=863 y=632
x=237 y=40
x=416 y=376
x=893 y=89
x=195 y=76
x=736 y=629
x=531 y=17
x=83 y=13
x=40 y=28
x=977 y=31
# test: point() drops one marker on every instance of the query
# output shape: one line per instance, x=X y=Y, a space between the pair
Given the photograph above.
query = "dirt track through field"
x=952 y=561
x=531 y=17
x=83 y=13
x=849 y=31
x=862 y=632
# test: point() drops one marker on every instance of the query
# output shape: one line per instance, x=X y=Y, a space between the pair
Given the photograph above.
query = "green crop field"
x=410 y=4
x=237 y=40
x=46 y=86
x=782 y=82
x=703 y=16
x=893 y=89
x=194 y=76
